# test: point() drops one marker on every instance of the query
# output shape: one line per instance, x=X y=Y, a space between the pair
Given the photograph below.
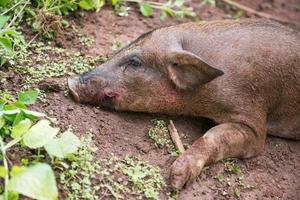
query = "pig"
x=243 y=75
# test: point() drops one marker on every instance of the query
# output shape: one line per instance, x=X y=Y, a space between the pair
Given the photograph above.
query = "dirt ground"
x=274 y=175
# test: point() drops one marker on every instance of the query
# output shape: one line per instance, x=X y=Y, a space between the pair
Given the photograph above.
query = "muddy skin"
x=244 y=75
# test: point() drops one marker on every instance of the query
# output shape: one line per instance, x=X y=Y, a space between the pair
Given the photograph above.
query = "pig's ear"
x=188 y=71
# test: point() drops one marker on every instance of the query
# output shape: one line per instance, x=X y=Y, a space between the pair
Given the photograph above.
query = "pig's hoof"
x=184 y=171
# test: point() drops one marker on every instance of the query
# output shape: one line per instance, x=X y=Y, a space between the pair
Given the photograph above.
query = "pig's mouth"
x=107 y=100
x=103 y=99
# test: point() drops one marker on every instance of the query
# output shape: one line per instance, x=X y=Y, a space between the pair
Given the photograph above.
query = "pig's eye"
x=134 y=62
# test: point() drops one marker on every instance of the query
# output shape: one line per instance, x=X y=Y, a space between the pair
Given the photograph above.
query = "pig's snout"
x=72 y=84
x=92 y=90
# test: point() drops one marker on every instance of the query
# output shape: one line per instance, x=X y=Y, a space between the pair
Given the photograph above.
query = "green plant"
x=12 y=43
x=220 y=178
x=144 y=177
x=159 y=133
x=79 y=170
x=231 y=166
x=211 y=3
x=44 y=61
x=130 y=178
x=21 y=126
x=170 y=8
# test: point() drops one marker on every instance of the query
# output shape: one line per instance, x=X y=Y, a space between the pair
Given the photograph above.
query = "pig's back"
x=261 y=61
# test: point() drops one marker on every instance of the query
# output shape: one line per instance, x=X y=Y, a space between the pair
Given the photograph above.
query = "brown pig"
x=243 y=75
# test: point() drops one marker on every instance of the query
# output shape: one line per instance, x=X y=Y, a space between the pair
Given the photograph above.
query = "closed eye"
x=134 y=62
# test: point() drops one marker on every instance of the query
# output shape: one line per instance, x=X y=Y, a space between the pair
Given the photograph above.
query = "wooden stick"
x=257 y=13
x=175 y=137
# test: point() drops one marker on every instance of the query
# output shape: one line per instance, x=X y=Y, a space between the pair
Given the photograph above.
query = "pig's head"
x=152 y=74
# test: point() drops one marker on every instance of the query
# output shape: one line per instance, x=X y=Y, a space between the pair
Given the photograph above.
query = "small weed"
x=27 y=129
x=44 y=61
x=117 y=45
x=232 y=167
x=159 y=133
x=169 y=8
x=79 y=171
x=131 y=177
x=211 y=3
x=82 y=177
x=234 y=179
x=84 y=40
x=237 y=192
x=220 y=178
x=12 y=43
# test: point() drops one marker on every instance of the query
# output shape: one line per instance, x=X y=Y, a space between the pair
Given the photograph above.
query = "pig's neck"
x=199 y=101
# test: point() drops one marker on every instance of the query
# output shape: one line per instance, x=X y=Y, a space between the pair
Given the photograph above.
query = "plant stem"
x=11 y=8
x=12 y=143
x=141 y=1
x=16 y=16
x=6 y=168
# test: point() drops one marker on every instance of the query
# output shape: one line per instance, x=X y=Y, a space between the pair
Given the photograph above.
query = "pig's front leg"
x=222 y=141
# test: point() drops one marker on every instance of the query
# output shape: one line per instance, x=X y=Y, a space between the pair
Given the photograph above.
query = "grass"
x=83 y=177
x=24 y=129
x=45 y=61
x=84 y=40
x=127 y=177
x=78 y=172
x=232 y=180
x=159 y=133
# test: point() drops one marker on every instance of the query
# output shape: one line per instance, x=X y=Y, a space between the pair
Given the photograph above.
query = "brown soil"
x=275 y=174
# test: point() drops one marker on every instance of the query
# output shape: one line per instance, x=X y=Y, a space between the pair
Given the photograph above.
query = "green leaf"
x=19 y=104
x=3 y=20
x=4 y=2
x=61 y=147
x=33 y=114
x=2 y=103
x=3 y=172
x=169 y=11
x=179 y=3
x=98 y=4
x=2 y=121
x=91 y=4
x=9 y=31
x=237 y=192
x=136 y=173
x=114 y=2
x=86 y=4
x=146 y=10
x=16 y=170
x=10 y=107
x=40 y=134
x=37 y=182
x=21 y=128
x=151 y=193
x=19 y=117
x=13 y=195
x=28 y=97
x=163 y=15
x=6 y=43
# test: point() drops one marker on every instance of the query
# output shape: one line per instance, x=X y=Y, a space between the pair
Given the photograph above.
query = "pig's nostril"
x=72 y=87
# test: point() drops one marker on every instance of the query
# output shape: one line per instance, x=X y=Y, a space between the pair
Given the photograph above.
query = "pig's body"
x=243 y=75
x=261 y=65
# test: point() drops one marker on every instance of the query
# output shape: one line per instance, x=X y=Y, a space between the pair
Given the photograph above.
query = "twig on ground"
x=175 y=137
x=252 y=11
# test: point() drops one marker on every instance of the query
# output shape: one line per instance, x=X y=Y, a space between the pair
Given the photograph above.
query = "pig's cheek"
x=121 y=98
